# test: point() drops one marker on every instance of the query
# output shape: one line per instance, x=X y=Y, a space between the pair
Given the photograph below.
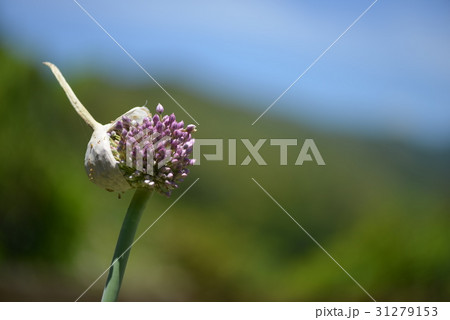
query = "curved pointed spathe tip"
x=77 y=105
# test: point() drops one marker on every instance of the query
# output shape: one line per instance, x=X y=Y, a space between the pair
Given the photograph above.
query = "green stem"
x=123 y=246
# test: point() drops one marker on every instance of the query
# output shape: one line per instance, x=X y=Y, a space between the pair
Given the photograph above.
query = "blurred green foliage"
x=380 y=207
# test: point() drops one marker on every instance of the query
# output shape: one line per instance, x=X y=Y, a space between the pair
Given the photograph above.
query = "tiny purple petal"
x=190 y=128
x=159 y=108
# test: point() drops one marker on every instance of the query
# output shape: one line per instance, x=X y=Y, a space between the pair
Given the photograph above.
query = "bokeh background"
x=377 y=106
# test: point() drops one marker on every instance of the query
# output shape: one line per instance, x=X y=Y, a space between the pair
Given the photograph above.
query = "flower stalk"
x=124 y=244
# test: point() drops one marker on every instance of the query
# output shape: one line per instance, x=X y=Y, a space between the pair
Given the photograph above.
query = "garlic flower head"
x=137 y=150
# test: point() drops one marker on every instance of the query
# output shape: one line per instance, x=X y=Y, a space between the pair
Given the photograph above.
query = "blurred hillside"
x=381 y=208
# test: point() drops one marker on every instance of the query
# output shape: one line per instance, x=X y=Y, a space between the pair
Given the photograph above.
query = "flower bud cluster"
x=154 y=151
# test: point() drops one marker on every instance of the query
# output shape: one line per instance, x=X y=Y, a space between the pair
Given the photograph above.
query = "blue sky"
x=390 y=74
